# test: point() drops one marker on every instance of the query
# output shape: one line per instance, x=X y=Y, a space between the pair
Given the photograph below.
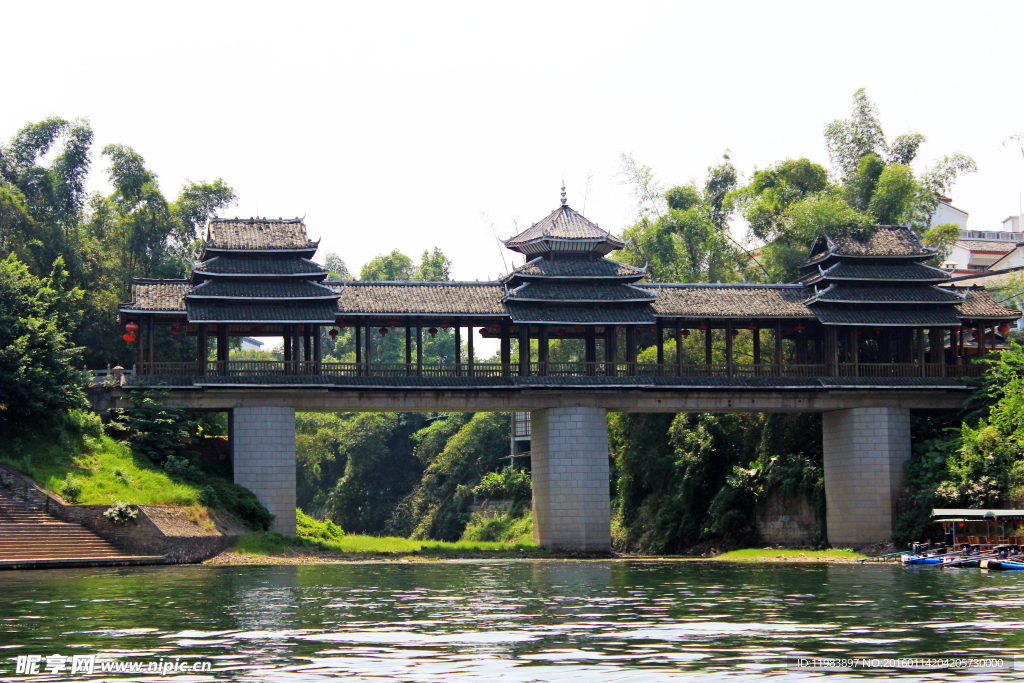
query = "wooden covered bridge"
x=869 y=332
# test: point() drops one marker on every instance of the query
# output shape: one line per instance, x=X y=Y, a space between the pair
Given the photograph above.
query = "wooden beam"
x=369 y=348
x=524 y=350
x=728 y=347
x=408 y=348
x=660 y=341
x=419 y=350
x=543 y=347
x=611 y=350
x=506 y=348
x=756 y=336
x=469 y=351
x=631 y=349
x=359 y=348
x=202 y=346
x=150 y=347
x=778 y=346
x=679 y=347
x=458 y=349
x=707 y=343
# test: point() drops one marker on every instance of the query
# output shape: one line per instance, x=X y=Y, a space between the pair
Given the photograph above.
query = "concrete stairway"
x=33 y=539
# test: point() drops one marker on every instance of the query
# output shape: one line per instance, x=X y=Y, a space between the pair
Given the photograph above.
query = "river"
x=513 y=621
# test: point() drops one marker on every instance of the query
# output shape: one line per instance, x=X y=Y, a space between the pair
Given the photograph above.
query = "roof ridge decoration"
x=564 y=230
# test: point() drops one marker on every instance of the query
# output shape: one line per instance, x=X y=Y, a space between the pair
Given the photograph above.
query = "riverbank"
x=270 y=548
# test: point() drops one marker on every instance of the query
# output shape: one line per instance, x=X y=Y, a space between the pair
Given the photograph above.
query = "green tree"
x=434 y=266
x=335 y=267
x=37 y=359
x=388 y=267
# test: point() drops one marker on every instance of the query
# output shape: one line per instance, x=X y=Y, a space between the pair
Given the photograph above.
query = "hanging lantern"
x=752 y=327
x=702 y=327
x=735 y=332
x=132 y=328
x=175 y=330
x=685 y=333
x=432 y=331
x=800 y=328
x=445 y=326
x=652 y=328
x=1004 y=328
x=129 y=337
x=333 y=332
x=392 y=323
x=177 y=323
x=341 y=326
x=383 y=331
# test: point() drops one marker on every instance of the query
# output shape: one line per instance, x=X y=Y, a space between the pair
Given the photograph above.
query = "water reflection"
x=511 y=621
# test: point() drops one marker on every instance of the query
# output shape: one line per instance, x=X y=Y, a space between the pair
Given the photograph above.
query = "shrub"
x=70 y=489
x=508 y=484
x=121 y=513
x=307 y=527
x=514 y=526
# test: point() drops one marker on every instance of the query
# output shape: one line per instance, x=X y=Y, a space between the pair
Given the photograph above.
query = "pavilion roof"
x=978 y=303
x=889 y=317
x=887 y=294
x=989 y=246
x=887 y=241
x=570 y=292
x=233 y=288
x=611 y=314
x=904 y=272
x=564 y=230
x=258 y=234
x=572 y=269
x=212 y=310
x=231 y=265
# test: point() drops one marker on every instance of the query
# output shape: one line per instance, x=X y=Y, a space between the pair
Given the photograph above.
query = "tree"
x=388 y=267
x=434 y=266
x=37 y=359
x=335 y=267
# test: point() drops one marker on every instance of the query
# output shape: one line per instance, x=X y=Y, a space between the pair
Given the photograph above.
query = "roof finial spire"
x=563 y=191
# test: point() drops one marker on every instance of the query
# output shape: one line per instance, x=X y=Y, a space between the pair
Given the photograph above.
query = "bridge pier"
x=263 y=458
x=865 y=451
x=569 y=452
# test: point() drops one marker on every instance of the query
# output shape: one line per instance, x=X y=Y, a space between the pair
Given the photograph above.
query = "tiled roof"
x=925 y=294
x=258 y=233
x=979 y=304
x=237 y=264
x=565 y=226
x=423 y=298
x=206 y=310
x=913 y=272
x=577 y=268
x=158 y=295
x=889 y=317
x=985 y=245
x=607 y=315
x=544 y=291
x=726 y=301
x=887 y=241
x=993 y=279
x=261 y=289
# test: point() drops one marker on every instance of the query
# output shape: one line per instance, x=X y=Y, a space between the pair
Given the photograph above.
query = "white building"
x=977 y=250
x=250 y=344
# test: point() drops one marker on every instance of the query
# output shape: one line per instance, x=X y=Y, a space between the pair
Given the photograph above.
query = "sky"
x=412 y=125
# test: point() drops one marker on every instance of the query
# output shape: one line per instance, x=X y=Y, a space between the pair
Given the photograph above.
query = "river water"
x=516 y=621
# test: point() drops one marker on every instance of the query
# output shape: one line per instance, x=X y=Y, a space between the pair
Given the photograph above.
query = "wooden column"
x=458 y=349
x=419 y=350
x=369 y=348
x=307 y=343
x=707 y=345
x=590 y=350
x=506 y=349
x=831 y=351
x=202 y=346
x=408 y=348
x=524 y=350
x=611 y=350
x=317 y=350
x=936 y=352
x=660 y=340
x=679 y=347
x=359 y=348
x=728 y=348
x=855 y=351
x=778 y=347
x=150 y=347
x=756 y=336
x=139 y=352
x=920 y=350
x=801 y=349
x=543 y=347
x=222 y=349
x=471 y=360
x=631 y=350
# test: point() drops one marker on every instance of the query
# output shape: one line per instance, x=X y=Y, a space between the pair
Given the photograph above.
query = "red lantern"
x=175 y=330
x=800 y=328
x=432 y=331
x=686 y=333
x=341 y=326
x=752 y=327
x=445 y=326
x=652 y=328
x=132 y=328
x=383 y=331
x=735 y=332
x=1004 y=328
x=333 y=332
x=702 y=327
x=129 y=337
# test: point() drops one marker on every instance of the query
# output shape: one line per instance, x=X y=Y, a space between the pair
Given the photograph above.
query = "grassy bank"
x=782 y=555
x=82 y=465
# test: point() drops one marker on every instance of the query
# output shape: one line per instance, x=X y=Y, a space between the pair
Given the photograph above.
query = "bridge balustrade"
x=252 y=369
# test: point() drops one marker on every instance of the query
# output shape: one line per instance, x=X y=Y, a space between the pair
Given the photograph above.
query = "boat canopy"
x=955 y=515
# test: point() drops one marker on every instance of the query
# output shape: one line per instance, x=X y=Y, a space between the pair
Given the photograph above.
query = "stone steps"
x=33 y=539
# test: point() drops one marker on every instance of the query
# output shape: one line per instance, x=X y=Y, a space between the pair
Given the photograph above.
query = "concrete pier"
x=865 y=453
x=263 y=447
x=569 y=451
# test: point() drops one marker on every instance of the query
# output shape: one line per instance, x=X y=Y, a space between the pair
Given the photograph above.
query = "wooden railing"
x=243 y=369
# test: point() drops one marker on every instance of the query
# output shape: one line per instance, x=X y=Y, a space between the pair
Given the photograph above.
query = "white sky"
x=395 y=124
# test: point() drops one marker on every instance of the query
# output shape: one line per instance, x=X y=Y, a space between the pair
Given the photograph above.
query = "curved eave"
x=283 y=299
x=308 y=251
x=259 y=276
x=565 y=302
x=541 y=245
